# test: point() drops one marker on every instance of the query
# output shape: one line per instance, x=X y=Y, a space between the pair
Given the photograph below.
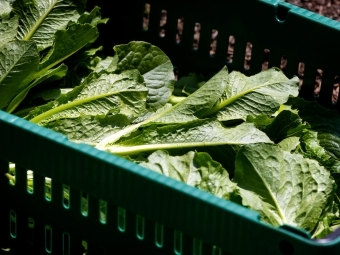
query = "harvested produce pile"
x=250 y=140
x=328 y=8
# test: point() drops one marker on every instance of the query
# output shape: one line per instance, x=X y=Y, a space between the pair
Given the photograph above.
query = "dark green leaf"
x=18 y=65
x=49 y=76
x=197 y=169
x=155 y=67
x=40 y=19
x=284 y=188
x=66 y=43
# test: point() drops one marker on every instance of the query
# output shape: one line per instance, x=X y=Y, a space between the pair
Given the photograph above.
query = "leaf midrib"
x=74 y=103
x=34 y=29
x=129 y=150
x=281 y=214
x=115 y=137
x=58 y=61
x=235 y=97
x=15 y=63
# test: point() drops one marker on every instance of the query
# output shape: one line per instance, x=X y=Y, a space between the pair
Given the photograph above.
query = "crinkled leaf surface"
x=286 y=124
x=146 y=115
x=259 y=94
x=5 y=8
x=324 y=121
x=67 y=42
x=197 y=169
x=195 y=105
x=103 y=94
x=8 y=23
x=50 y=75
x=224 y=154
x=153 y=64
x=329 y=223
x=196 y=133
x=284 y=188
x=261 y=121
x=290 y=143
x=18 y=66
x=191 y=108
x=40 y=19
x=310 y=148
x=103 y=64
x=89 y=129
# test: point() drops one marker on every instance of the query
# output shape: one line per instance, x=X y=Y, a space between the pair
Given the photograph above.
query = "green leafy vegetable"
x=93 y=18
x=325 y=122
x=290 y=143
x=50 y=75
x=153 y=64
x=197 y=169
x=89 y=129
x=234 y=136
x=18 y=65
x=259 y=94
x=187 y=110
x=67 y=42
x=98 y=95
x=195 y=133
x=46 y=30
x=329 y=223
x=285 y=124
x=40 y=19
x=187 y=85
x=9 y=23
x=284 y=188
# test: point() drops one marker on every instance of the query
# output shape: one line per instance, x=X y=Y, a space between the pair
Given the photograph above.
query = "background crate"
x=147 y=213
x=286 y=30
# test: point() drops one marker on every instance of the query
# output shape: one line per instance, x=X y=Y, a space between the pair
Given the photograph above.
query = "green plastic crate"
x=147 y=213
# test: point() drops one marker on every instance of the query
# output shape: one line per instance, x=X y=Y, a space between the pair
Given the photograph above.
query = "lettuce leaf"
x=153 y=64
x=40 y=19
x=202 y=103
x=259 y=94
x=99 y=94
x=197 y=133
x=44 y=30
x=196 y=169
x=284 y=188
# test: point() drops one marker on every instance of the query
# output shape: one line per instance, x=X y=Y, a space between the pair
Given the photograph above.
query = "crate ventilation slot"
x=102 y=211
x=247 y=56
x=30 y=231
x=301 y=73
x=180 y=27
x=159 y=235
x=84 y=205
x=265 y=62
x=213 y=42
x=162 y=23
x=197 y=34
x=283 y=63
x=318 y=83
x=146 y=16
x=48 y=239
x=48 y=189
x=231 y=46
x=66 y=197
x=121 y=219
